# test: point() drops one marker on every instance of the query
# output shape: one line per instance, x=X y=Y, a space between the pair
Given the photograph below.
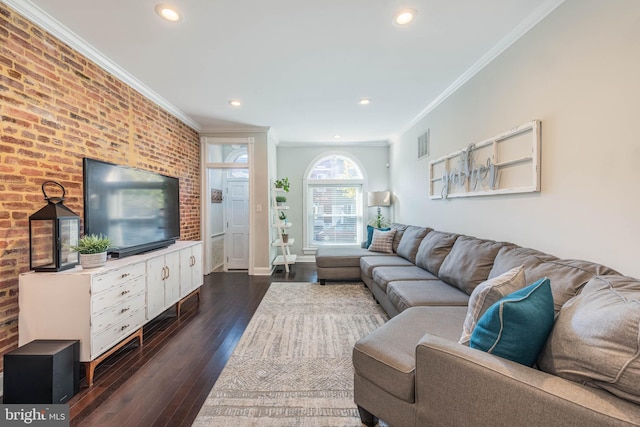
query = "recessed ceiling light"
x=336 y=136
x=405 y=17
x=364 y=101
x=168 y=12
x=234 y=102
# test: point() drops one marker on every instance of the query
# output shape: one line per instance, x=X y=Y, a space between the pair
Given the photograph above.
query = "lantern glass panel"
x=69 y=234
x=42 y=245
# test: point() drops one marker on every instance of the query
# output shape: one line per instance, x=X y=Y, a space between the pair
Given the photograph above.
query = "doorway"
x=226 y=199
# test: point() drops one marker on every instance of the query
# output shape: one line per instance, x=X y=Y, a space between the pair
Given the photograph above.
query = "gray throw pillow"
x=595 y=337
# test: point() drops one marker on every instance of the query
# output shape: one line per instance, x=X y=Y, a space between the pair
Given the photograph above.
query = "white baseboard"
x=262 y=271
x=306 y=258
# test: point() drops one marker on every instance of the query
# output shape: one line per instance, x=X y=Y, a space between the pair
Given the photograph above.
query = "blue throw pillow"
x=517 y=326
x=370 y=229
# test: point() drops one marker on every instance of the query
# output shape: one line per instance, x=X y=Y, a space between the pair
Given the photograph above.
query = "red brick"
x=11 y=83
x=30 y=153
x=14 y=29
x=15 y=141
x=16 y=114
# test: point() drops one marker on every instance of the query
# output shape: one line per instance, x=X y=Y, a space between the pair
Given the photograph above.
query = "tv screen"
x=137 y=209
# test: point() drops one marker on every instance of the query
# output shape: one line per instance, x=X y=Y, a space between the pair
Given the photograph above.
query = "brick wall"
x=57 y=107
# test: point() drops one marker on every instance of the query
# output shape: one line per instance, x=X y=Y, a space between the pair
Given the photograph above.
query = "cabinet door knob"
x=125 y=292
x=124 y=327
x=124 y=310
x=124 y=275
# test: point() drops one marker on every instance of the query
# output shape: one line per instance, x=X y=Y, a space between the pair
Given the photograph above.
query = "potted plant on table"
x=379 y=221
x=285 y=237
x=93 y=250
x=281 y=200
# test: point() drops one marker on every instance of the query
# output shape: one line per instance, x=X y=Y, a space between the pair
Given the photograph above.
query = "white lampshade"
x=379 y=198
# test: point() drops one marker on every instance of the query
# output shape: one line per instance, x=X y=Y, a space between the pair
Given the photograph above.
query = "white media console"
x=106 y=308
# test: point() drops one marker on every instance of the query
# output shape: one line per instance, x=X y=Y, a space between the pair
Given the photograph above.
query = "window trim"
x=308 y=249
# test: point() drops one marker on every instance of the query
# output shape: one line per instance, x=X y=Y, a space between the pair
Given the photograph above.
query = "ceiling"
x=298 y=67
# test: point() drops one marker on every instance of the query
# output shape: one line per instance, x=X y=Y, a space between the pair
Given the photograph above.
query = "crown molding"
x=234 y=129
x=514 y=35
x=55 y=27
x=334 y=144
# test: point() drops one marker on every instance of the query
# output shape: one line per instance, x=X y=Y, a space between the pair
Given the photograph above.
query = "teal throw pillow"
x=517 y=326
x=370 y=229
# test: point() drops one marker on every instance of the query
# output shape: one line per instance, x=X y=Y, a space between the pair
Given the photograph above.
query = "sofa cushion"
x=567 y=276
x=386 y=357
x=370 y=229
x=367 y=264
x=410 y=242
x=595 y=340
x=511 y=256
x=486 y=294
x=338 y=257
x=400 y=228
x=414 y=293
x=517 y=326
x=433 y=249
x=469 y=262
x=383 y=275
x=382 y=241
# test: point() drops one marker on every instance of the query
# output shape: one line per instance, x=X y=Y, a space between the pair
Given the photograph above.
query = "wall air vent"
x=423 y=145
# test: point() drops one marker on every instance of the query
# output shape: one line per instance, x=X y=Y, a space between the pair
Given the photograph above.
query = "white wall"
x=578 y=71
x=293 y=162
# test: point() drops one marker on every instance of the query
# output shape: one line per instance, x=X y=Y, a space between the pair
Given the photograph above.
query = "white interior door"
x=237 y=221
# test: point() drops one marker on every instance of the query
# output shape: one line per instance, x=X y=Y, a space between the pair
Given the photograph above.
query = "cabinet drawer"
x=106 y=339
x=116 y=295
x=118 y=312
x=116 y=277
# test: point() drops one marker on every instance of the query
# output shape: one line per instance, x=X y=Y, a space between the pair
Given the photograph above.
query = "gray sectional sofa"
x=412 y=371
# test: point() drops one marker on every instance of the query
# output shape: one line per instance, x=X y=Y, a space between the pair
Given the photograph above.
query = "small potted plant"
x=285 y=237
x=93 y=250
x=282 y=184
x=379 y=221
x=281 y=200
x=282 y=216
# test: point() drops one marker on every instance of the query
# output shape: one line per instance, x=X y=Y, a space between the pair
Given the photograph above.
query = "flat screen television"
x=138 y=210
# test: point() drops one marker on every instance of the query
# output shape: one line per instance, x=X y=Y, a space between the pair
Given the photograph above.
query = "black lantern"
x=53 y=231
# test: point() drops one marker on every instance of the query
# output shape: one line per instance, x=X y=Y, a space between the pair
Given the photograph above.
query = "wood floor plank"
x=165 y=382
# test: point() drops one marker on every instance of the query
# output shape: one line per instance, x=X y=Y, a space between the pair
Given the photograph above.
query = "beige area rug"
x=292 y=366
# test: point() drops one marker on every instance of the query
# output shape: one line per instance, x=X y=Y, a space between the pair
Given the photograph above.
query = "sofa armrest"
x=457 y=385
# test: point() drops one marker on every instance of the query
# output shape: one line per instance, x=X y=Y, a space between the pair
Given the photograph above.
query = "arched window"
x=238 y=155
x=334 y=205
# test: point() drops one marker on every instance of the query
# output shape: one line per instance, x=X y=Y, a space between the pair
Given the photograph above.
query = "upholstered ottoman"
x=335 y=263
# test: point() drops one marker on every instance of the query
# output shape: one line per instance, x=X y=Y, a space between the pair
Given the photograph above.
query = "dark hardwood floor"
x=165 y=382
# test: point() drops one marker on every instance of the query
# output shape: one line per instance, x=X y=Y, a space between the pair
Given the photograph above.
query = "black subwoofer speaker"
x=42 y=371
